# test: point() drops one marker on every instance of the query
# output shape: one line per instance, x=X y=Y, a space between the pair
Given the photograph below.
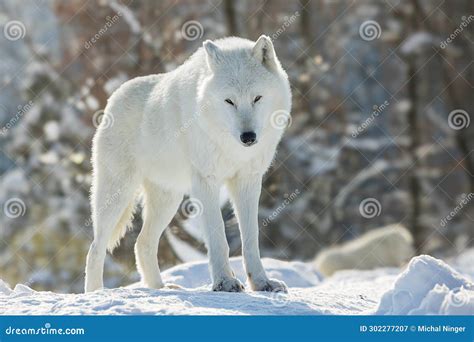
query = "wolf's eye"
x=229 y=101
x=257 y=98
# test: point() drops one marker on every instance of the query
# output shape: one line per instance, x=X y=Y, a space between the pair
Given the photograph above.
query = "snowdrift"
x=426 y=286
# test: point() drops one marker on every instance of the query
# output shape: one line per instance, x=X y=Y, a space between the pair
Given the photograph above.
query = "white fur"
x=390 y=246
x=174 y=134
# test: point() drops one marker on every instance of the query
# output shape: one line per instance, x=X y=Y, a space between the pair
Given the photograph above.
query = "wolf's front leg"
x=245 y=194
x=223 y=279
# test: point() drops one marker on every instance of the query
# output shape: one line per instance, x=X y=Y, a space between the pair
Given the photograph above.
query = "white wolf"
x=214 y=121
x=389 y=246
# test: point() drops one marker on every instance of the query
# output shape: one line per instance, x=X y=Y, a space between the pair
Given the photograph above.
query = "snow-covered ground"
x=426 y=286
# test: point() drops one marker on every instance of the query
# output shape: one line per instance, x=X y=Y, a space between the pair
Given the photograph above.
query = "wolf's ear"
x=264 y=52
x=213 y=53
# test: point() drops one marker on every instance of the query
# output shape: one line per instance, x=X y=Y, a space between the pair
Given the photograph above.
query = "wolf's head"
x=244 y=90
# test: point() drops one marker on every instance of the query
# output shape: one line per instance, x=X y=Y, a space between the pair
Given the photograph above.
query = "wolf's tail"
x=121 y=227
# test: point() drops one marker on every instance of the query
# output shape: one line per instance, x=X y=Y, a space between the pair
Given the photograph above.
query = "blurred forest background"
x=382 y=114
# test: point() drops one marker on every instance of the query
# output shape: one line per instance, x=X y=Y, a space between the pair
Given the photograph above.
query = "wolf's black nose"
x=248 y=138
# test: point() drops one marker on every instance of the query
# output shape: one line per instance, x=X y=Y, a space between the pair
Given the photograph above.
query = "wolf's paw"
x=228 y=285
x=154 y=284
x=270 y=285
x=172 y=286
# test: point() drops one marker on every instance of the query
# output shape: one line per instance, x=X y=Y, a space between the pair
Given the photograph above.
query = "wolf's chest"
x=246 y=160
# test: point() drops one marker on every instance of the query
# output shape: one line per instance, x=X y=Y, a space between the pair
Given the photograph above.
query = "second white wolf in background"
x=215 y=120
x=390 y=246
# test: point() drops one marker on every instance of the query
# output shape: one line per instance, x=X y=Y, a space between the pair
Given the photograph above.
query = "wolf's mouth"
x=249 y=144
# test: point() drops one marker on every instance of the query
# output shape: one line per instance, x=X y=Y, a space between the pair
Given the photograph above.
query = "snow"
x=426 y=286
x=416 y=42
x=295 y=274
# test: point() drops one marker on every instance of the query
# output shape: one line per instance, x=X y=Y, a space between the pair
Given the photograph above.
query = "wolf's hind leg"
x=112 y=200
x=160 y=207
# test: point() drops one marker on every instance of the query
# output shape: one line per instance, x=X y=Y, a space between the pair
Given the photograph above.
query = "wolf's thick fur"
x=390 y=246
x=181 y=133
